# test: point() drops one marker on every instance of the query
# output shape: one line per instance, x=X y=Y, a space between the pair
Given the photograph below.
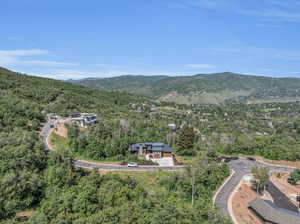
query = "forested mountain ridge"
x=61 y=97
x=203 y=88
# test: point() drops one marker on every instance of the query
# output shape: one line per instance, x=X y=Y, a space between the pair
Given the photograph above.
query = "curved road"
x=241 y=166
x=46 y=131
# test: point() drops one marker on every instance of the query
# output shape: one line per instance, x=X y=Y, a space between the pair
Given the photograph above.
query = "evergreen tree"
x=185 y=141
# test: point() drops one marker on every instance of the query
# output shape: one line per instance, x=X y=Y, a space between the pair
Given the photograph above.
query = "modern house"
x=271 y=214
x=151 y=150
x=84 y=119
x=52 y=116
x=172 y=126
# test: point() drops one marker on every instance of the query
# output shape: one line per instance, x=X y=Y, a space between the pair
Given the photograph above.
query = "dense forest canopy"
x=57 y=191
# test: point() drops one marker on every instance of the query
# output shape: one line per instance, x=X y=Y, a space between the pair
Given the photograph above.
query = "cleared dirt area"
x=25 y=214
x=240 y=201
x=61 y=130
x=291 y=191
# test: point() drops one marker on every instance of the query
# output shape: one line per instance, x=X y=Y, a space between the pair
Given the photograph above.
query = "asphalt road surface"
x=46 y=131
x=241 y=166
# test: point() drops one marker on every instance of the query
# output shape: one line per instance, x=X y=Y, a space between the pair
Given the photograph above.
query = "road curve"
x=242 y=167
x=47 y=130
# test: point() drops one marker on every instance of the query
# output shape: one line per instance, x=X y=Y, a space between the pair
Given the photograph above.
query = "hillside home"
x=172 y=126
x=84 y=119
x=151 y=150
x=269 y=213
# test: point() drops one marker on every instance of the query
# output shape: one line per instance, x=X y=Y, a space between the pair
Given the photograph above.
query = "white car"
x=132 y=165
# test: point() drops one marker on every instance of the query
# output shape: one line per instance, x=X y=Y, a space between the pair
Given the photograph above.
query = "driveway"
x=164 y=162
x=241 y=167
x=46 y=131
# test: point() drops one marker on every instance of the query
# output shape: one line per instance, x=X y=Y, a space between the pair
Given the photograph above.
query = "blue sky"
x=102 y=38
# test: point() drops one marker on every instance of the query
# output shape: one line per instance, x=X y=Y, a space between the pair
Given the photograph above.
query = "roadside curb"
x=221 y=187
x=113 y=166
x=122 y=166
x=270 y=164
x=229 y=202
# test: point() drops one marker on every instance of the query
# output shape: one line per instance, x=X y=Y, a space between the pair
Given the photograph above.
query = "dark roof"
x=269 y=212
x=166 y=148
x=156 y=146
x=280 y=199
x=73 y=114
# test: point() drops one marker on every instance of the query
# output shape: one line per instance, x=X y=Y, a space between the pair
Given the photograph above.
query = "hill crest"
x=213 y=88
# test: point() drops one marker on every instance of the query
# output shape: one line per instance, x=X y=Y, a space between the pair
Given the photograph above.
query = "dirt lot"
x=61 y=130
x=25 y=215
x=289 y=190
x=240 y=205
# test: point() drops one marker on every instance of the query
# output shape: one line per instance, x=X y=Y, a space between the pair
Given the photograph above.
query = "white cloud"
x=45 y=63
x=16 y=58
x=77 y=74
x=23 y=52
x=267 y=10
x=209 y=4
x=64 y=74
x=273 y=15
x=200 y=66
x=257 y=52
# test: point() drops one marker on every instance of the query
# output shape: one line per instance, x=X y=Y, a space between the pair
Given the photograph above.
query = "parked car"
x=132 y=165
x=51 y=126
x=227 y=160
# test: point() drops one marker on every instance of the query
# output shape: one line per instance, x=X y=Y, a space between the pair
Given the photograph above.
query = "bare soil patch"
x=26 y=214
x=240 y=201
x=61 y=130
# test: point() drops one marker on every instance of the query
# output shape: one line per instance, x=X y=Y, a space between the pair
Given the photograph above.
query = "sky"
x=73 y=39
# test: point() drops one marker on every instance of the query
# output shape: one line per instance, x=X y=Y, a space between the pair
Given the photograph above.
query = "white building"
x=84 y=119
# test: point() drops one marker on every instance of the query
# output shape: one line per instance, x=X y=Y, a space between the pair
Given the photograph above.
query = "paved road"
x=46 y=131
x=241 y=167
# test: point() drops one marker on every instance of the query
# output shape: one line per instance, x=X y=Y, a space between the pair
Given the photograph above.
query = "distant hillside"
x=35 y=94
x=203 y=88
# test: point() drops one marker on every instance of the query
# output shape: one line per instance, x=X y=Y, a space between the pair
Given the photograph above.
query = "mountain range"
x=215 y=88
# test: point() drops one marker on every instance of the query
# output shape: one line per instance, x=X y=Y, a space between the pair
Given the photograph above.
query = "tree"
x=261 y=176
x=185 y=141
x=294 y=177
x=194 y=170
